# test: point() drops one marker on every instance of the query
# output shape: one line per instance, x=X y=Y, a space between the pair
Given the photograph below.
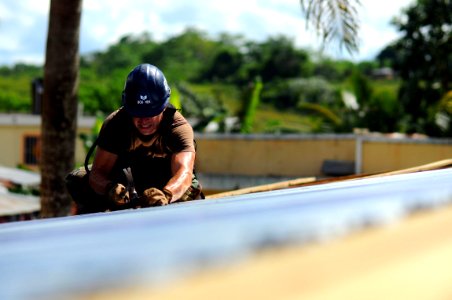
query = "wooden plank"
x=445 y=163
x=264 y=188
x=314 y=181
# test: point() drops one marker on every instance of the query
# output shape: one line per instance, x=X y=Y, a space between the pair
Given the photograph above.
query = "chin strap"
x=88 y=155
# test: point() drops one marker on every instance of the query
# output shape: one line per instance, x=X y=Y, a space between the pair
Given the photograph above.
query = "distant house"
x=383 y=73
x=20 y=136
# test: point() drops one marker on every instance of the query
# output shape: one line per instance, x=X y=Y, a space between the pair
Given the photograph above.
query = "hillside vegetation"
x=245 y=86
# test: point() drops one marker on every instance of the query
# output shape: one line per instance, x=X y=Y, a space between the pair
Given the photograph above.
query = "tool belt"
x=193 y=192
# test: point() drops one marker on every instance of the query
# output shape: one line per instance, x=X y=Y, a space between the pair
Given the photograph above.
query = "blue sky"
x=23 y=23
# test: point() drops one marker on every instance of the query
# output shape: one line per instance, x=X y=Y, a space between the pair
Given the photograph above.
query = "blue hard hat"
x=146 y=92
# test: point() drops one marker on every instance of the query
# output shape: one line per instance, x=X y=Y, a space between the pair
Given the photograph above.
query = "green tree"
x=183 y=57
x=281 y=60
x=128 y=52
x=424 y=59
x=383 y=112
x=387 y=57
x=225 y=66
x=228 y=60
x=333 y=70
x=274 y=59
x=204 y=109
x=101 y=92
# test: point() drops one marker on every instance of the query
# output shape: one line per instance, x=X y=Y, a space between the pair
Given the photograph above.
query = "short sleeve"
x=114 y=135
x=182 y=136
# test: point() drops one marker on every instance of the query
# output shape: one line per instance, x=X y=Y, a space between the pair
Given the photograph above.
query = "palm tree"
x=59 y=108
x=334 y=19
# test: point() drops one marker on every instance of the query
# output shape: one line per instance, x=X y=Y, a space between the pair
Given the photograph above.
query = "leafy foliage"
x=202 y=107
x=183 y=57
x=423 y=58
x=334 y=19
x=15 y=87
x=252 y=102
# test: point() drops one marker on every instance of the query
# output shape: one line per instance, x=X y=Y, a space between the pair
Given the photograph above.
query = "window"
x=32 y=150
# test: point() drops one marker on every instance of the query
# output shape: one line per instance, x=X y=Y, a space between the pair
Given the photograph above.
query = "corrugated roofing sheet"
x=68 y=257
x=16 y=204
x=21 y=177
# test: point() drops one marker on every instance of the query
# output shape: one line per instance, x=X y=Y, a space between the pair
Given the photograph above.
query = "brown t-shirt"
x=148 y=156
x=118 y=134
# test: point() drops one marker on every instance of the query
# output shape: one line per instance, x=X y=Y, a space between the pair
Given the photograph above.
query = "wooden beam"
x=446 y=163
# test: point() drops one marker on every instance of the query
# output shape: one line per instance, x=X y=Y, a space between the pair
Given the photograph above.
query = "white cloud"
x=376 y=26
x=23 y=24
x=376 y=32
x=5 y=12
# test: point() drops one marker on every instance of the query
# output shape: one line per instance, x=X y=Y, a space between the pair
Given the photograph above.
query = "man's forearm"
x=178 y=184
x=98 y=183
x=102 y=166
x=182 y=164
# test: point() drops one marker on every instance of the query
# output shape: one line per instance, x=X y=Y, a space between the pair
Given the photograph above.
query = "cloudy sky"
x=23 y=23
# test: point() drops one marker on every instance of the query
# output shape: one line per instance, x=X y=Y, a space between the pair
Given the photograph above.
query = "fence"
x=228 y=161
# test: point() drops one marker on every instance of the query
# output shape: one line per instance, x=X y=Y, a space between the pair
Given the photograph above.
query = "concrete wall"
x=381 y=155
x=303 y=155
x=253 y=155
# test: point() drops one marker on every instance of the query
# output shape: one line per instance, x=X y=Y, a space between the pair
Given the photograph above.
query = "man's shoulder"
x=120 y=113
x=179 y=119
x=117 y=117
x=181 y=136
x=115 y=132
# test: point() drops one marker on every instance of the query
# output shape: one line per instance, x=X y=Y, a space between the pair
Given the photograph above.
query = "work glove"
x=118 y=194
x=156 y=197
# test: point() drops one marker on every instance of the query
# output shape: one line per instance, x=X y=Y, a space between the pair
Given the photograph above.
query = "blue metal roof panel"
x=74 y=255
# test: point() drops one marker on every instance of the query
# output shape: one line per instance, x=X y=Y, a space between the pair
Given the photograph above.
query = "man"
x=146 y=138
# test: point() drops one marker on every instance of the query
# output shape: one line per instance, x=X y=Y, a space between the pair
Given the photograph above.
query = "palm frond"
x=322 y=111
x=334 y=20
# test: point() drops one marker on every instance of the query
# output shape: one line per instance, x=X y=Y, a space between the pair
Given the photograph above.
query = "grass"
x=267 y=118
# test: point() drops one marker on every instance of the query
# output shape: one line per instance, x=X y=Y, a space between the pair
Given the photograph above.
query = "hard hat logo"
x=146 y=91
x=144 y=100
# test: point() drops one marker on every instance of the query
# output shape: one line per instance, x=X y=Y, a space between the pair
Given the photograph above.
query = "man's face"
x=147 y=126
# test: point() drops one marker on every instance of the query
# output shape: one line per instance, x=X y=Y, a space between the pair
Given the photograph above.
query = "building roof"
x=12 y=204
x=18 y=119
x=76 y=255
x=19 y=177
